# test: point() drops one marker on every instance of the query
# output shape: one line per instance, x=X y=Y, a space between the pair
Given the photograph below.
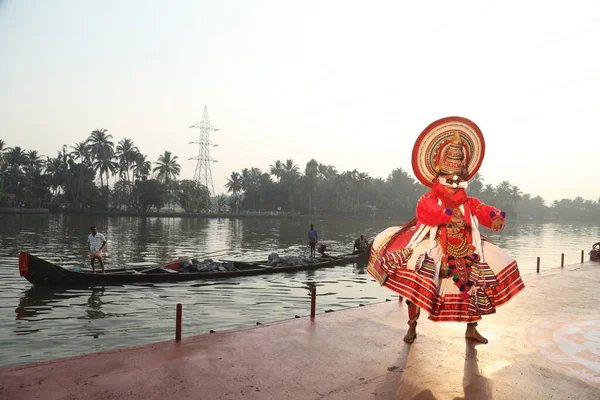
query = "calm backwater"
x=40 y=324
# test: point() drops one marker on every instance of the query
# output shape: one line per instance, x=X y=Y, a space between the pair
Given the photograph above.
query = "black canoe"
x=42 y=272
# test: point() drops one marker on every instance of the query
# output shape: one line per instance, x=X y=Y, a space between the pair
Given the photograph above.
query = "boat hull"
x=595 y=253
x=42 y=272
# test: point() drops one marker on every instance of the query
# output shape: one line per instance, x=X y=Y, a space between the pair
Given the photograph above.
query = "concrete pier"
x=544 y=344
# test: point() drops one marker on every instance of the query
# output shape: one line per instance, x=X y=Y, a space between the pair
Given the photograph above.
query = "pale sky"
x=351 y=84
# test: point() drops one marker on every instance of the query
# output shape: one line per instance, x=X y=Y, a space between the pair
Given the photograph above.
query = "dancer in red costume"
x=439 y=261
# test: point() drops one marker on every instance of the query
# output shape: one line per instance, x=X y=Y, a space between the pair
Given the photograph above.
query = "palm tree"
x=291 y=173
x=82 y=152
x=104 y=166
x=2 y=150
x=503 y=194
x=99 y=140
x=141 y=167
x=33 y=162
x=475 y=184
x=55 y=170
x=167 y=166
x=126 y=156
x=326 y=195
x=246 y=180
x=515 y=194
x=15 y=157
x=327 y=171
x=488 y=194
x=311 y=175
x=102 y=150
x=2 y=166
x=362 y=180
x=221 y=201
x=277 y=170
x=234 y=185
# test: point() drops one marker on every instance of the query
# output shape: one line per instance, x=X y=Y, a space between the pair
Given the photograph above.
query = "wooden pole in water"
x=582 y=256
x=313 y=302
x=538 y=265
x=562 y=260
x=178 y=323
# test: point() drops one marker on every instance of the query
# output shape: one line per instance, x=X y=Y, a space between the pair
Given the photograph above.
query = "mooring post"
x=582 y=256
x=562 y=260
x=178 y=323
x=313 y=302
x=538 y=265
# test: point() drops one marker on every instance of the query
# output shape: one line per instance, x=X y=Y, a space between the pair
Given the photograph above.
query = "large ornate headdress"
x=448 y=146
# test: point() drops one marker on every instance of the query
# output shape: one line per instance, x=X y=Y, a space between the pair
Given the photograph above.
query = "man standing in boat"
x=96 y=242
x=313 y=238
x=360 y=244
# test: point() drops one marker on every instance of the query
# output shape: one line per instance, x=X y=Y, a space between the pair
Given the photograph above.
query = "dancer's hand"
x=497 y=225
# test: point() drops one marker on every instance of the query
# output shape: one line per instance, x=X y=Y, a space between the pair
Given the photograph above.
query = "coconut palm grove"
x=98 y=175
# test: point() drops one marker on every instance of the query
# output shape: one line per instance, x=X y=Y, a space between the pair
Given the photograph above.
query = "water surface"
x=39 y=323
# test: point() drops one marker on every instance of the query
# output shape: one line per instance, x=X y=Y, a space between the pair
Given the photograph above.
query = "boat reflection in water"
x=41 y=306
x=38 y=300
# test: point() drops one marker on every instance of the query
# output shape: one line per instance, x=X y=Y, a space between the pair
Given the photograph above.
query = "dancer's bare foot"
x=411 y=334
x=472 y=333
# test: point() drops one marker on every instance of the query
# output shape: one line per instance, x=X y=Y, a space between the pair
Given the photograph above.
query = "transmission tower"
x=203 y=174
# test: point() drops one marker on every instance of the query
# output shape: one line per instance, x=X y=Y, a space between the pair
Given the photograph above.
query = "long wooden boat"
x=42 y=272
x=595 y=252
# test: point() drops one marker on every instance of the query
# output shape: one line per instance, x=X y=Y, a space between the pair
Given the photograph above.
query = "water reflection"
x=94 y=303
x=38 y=300
x=360 y=268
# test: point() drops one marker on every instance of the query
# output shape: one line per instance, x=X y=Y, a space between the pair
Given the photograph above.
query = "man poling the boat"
x=439 y=261
x=313 y=238
x=96 y=242
x=360 y=244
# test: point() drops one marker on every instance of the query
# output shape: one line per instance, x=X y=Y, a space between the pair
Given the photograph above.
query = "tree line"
x=78 y=178
x=321 y=190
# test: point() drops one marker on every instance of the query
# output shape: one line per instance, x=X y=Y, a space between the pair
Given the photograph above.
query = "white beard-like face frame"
x=453 y=182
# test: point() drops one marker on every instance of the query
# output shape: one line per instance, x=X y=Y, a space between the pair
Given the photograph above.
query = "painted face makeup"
x=454 y=182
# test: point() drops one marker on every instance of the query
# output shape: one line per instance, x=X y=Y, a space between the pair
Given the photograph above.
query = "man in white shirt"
x=96 y=243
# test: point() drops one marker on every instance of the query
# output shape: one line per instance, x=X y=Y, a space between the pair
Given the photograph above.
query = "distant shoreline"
x=13 y=210
x=173 y=214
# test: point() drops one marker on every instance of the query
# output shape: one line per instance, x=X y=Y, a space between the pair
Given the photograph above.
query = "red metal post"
x=538 y=265
x=562 y=260
x=582 y=256
x=178 y=323
x=313 y=302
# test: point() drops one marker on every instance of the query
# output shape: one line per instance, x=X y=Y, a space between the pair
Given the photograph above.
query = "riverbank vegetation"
x=98 y=175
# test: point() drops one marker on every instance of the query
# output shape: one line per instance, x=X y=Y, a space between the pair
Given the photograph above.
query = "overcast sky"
x=351 y=84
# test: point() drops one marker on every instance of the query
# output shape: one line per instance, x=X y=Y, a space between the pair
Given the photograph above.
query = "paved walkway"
x=544 y=344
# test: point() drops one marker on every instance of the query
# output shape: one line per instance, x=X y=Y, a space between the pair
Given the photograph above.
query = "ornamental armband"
x=493 y=214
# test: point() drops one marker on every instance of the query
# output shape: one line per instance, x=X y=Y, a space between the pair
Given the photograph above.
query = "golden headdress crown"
x=451 y=157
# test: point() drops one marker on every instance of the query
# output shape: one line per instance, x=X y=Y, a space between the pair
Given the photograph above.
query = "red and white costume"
x=443 y=264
